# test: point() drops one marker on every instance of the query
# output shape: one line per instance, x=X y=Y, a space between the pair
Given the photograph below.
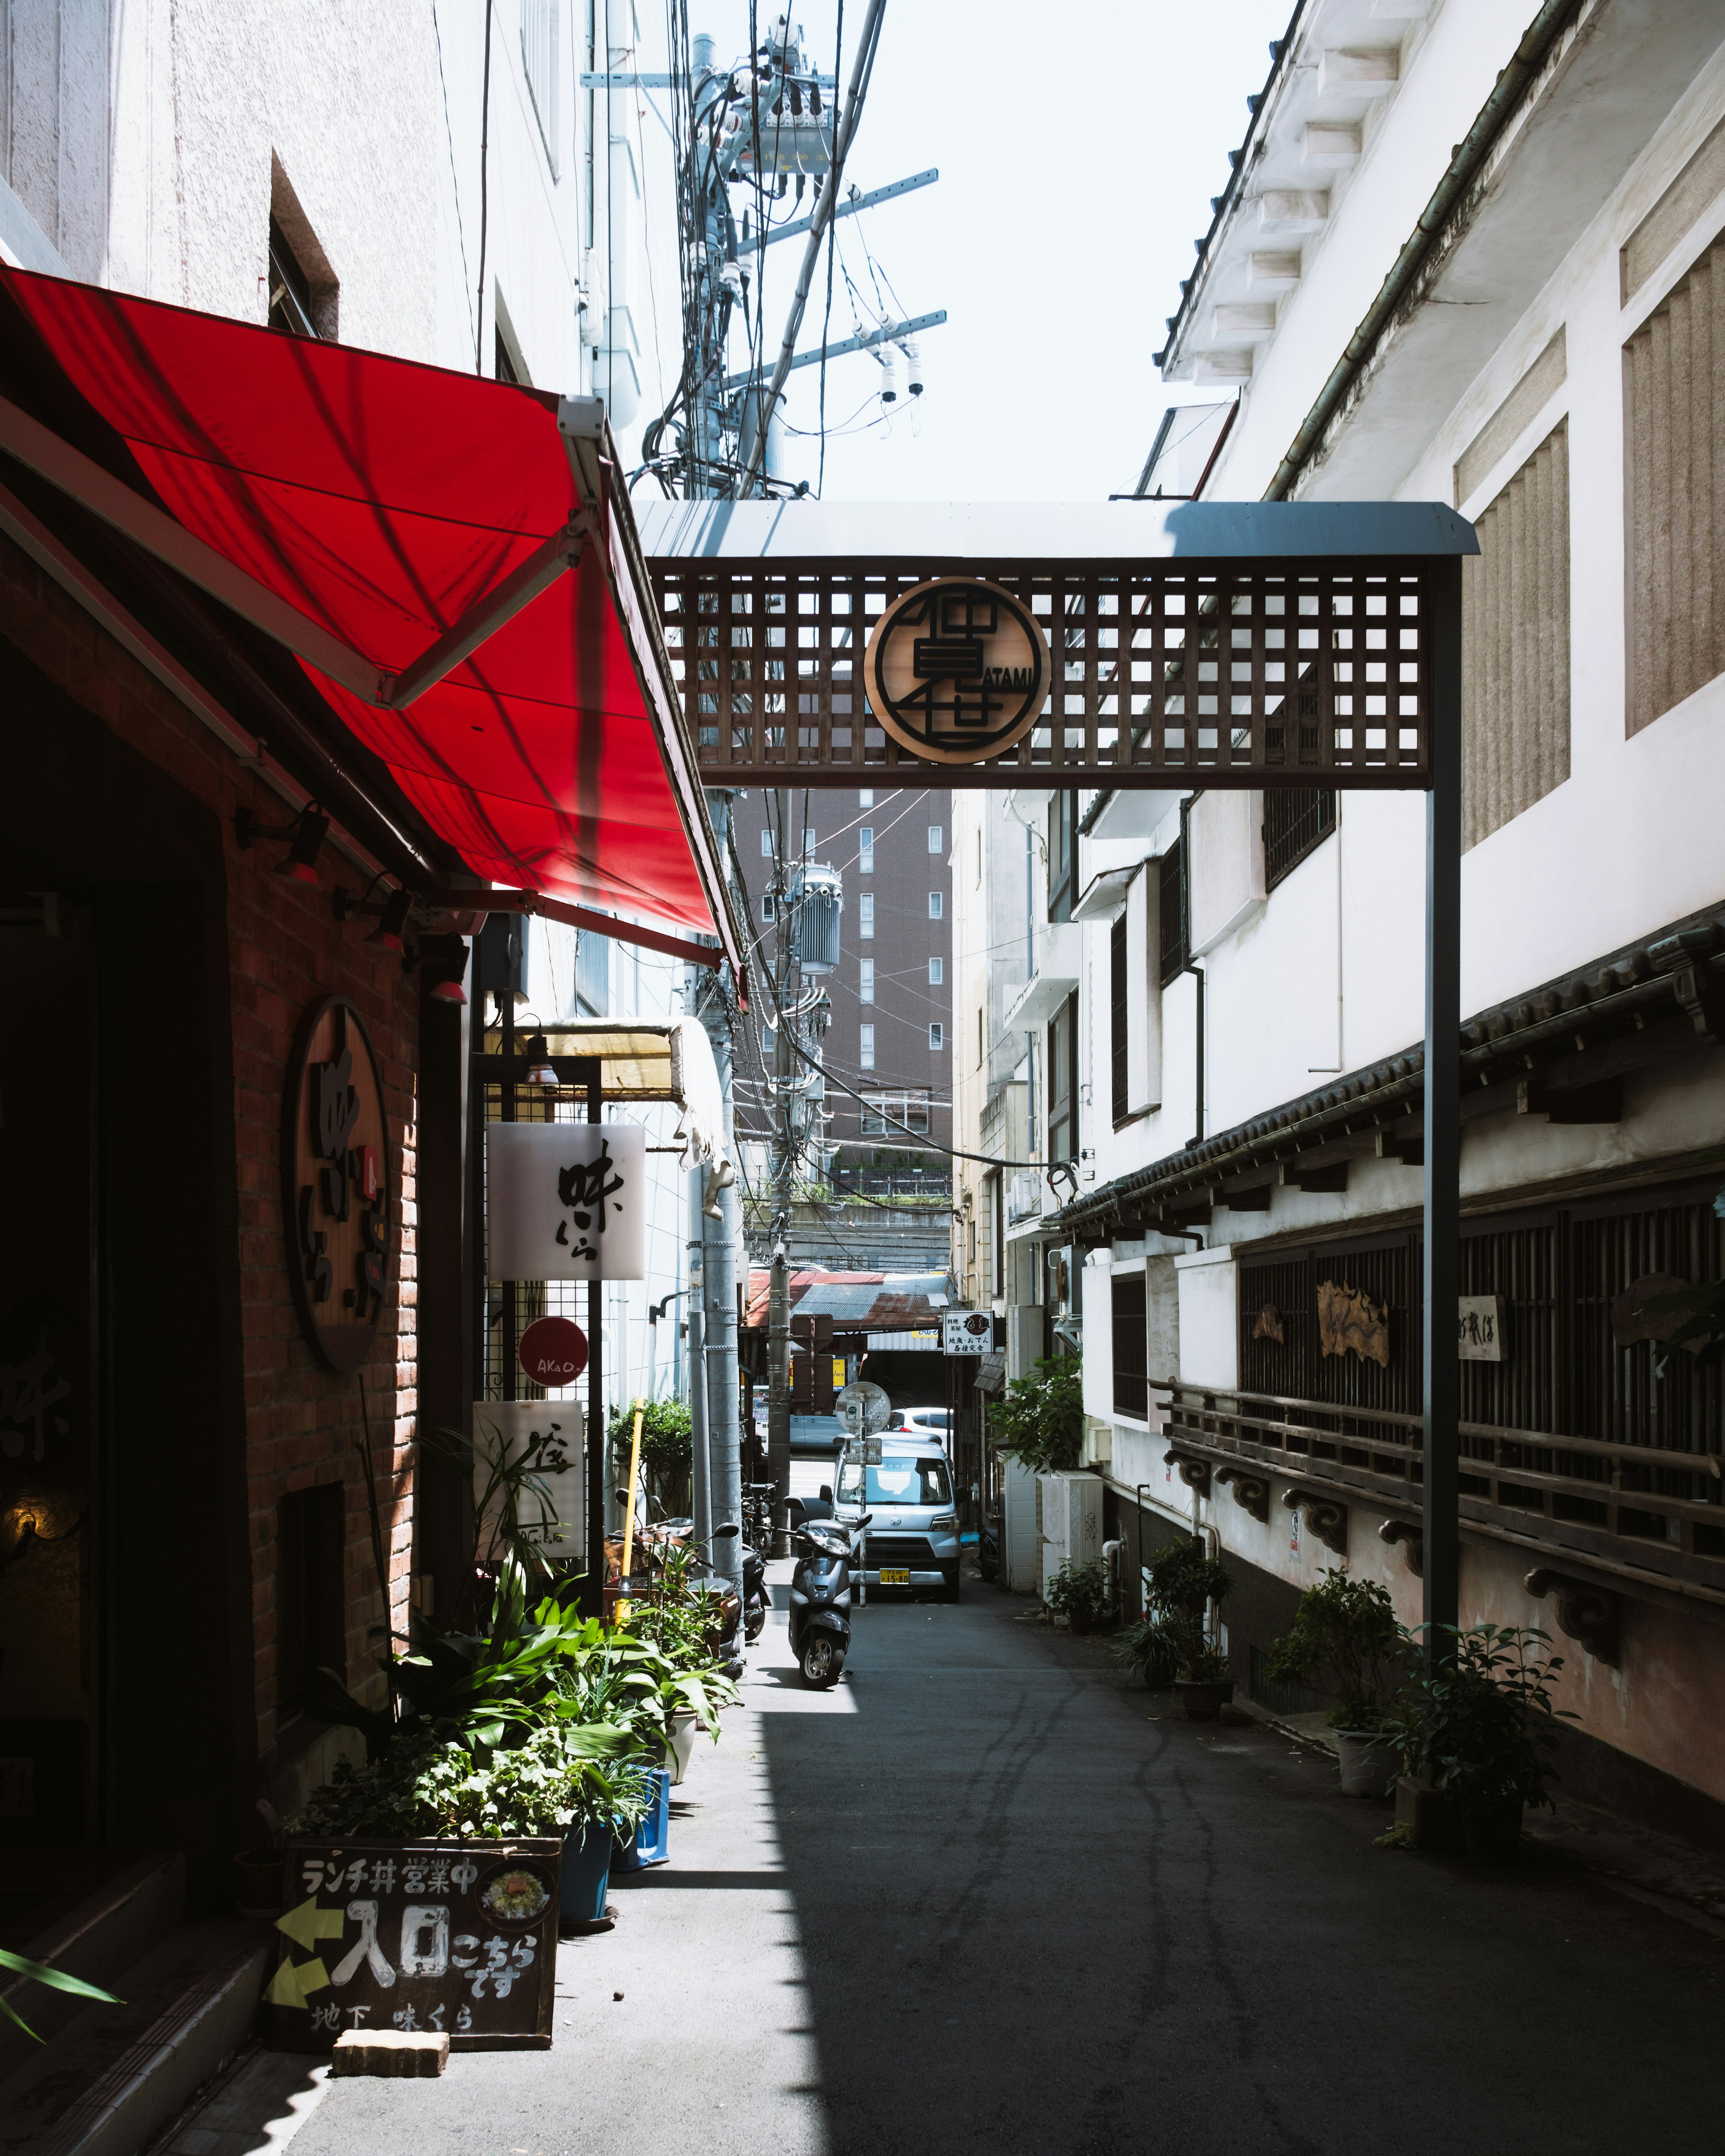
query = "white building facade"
x=1466 y=255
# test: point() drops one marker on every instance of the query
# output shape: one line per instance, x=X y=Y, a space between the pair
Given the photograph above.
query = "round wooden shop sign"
x=334 y=1176
x=957 y=670
x=553 y=1351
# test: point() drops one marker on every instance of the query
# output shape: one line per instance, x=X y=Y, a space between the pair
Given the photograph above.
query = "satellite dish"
x=863 y=1407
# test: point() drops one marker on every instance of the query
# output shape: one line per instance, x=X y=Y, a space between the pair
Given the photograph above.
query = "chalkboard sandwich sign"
x=456 y=1937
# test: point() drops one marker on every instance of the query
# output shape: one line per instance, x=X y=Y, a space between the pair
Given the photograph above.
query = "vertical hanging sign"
x=565 y=1201
x=335 y=1172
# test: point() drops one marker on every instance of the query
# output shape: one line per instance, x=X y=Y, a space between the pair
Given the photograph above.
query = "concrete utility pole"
x=712 y=1296
x=784 y=1157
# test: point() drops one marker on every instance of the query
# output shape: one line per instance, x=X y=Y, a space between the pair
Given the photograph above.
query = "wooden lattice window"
x=1295 y=819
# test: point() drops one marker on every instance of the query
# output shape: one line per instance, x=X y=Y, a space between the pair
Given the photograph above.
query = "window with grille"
x=890 y=1114
x=1063 y=1082
x=1515 y=645
x=1674 y=389
x=1171 y=911
x=541 y=37
x=1295 y=819
x=1118 y=1020
x=1132 y=1345
x=1062 y=855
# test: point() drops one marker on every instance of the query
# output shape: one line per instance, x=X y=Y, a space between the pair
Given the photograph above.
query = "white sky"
x=1078 y=148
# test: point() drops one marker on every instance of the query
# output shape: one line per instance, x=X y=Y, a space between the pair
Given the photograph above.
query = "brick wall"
x=285 y=949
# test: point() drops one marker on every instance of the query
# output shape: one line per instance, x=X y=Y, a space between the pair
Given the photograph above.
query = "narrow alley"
x=898 y=1914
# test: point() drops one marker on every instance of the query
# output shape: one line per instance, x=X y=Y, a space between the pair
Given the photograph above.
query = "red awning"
x=425 y=542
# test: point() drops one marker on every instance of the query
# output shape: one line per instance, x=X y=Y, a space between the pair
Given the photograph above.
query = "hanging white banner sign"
x=565 y=1201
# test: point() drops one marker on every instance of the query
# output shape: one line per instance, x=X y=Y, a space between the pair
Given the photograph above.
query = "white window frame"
x=865 y=1047
x=936 y=1036
x=865 y=987
x=936 y=905
x=865 y=916
x=937 y=972
x=937 y=838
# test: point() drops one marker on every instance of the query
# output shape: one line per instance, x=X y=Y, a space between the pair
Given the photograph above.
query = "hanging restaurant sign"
x=565 y=1201
x=456 y=1938
x=957 y=670
x=335 y=1172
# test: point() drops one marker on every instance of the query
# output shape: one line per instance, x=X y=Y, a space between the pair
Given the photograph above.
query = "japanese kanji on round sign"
x=565 y=1201
x=957 y=670
x=335 y=1173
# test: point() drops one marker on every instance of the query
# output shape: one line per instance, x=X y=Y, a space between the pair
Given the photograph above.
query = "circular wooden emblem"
x=957 y=670
x=553 y=1351
x=335 y=1177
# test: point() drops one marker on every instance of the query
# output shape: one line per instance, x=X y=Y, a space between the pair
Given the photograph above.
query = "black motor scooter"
x=820 y=1599
x=755 y=1601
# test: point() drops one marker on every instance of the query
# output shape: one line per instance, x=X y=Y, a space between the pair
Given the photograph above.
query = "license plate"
x=894 y=1575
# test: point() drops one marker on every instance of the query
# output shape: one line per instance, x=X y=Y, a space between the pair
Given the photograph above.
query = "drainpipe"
x=1197 y=974
x=1466 y=161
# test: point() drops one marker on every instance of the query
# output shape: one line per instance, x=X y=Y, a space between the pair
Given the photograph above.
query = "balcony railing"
x=1646 y=1511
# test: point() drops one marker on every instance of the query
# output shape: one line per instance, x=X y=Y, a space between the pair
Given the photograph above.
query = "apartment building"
x=1465 y=253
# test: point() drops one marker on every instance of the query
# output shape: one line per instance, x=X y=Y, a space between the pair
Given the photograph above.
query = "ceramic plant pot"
x=586 y=1872
x=1370 y=1762
x=680 y=1746
x=1203 y=1698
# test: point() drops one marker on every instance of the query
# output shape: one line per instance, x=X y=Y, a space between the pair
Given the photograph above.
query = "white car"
x=926 y=1422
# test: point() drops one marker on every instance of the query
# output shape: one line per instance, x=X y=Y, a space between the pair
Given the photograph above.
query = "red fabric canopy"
x=383 y=499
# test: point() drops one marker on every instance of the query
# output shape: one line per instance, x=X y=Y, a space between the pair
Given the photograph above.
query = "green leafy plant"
x=1146 y=1651
x=517 y=1507
x=1479 y=1723
x=434 y=1788
x=1080 y=1591
x=667 y=1448
x=1040 y=1416
x=56 y=1980
x=1183 y=1581
x=1347 y=1627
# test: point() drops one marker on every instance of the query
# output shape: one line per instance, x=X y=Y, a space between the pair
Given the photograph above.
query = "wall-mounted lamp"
x=540 y=1071
x=307 y=832
x=387 y=935
x=444 y=959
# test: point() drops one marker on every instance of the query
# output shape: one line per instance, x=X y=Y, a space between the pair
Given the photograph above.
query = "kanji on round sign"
x=553 y=1351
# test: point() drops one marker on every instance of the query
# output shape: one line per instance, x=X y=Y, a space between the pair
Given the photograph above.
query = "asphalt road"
x=983 y=1898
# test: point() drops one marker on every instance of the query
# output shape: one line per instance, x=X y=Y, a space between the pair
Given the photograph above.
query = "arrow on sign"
x=294 y=1982
x=307 y=1924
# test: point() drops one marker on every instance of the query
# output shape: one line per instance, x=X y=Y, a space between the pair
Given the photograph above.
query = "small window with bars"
x=1171 y=895
x=1297 y=818
x=1119 y=1021
x=290 y=302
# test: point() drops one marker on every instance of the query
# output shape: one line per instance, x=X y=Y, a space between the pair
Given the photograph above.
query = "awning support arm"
x=481 y=899
x=44 y=452
x=500 y=606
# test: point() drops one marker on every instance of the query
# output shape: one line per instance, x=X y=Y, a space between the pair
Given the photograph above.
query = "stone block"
x=417 y=2052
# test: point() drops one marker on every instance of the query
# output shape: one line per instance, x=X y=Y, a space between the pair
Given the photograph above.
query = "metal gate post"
x=1442 y=1240
x=593 y=1585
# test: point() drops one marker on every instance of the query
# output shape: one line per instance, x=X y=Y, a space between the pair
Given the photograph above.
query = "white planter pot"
x=681 y=1747
x=1370 y=1762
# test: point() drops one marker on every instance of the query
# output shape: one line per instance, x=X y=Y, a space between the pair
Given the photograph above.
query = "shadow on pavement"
x=1034 y=1918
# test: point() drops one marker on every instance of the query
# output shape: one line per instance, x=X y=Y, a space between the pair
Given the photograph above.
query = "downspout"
x=1466 y=161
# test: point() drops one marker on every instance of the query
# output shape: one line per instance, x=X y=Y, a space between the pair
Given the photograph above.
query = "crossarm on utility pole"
x=854 y=93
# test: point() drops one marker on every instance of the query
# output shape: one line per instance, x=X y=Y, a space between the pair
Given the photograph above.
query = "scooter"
x=820 y=1599
x=755 y=1601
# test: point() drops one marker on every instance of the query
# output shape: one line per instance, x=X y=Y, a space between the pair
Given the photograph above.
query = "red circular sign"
x=553 y=1351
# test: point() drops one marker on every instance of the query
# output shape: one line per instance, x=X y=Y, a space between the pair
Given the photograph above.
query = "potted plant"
x=1186 y=1584
x=1079 y=1592
x=1345 y=1627
x=1478 y=1727
x=1146 y=1651
x=667 y=1449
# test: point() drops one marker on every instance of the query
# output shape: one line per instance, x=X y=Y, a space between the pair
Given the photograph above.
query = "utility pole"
x=784 y=1155
x=712 y=1298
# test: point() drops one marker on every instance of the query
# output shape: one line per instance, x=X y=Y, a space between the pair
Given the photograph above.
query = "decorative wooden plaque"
x=456 y=1937
x=335 y=1172
x=957 y=670
x=1350 y=1323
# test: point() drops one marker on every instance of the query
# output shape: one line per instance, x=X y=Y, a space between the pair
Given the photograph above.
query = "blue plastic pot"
x=586 y=1868
x=650 y=1842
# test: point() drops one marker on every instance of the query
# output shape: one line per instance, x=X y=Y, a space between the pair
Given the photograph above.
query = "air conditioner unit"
x=1072 y=1520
